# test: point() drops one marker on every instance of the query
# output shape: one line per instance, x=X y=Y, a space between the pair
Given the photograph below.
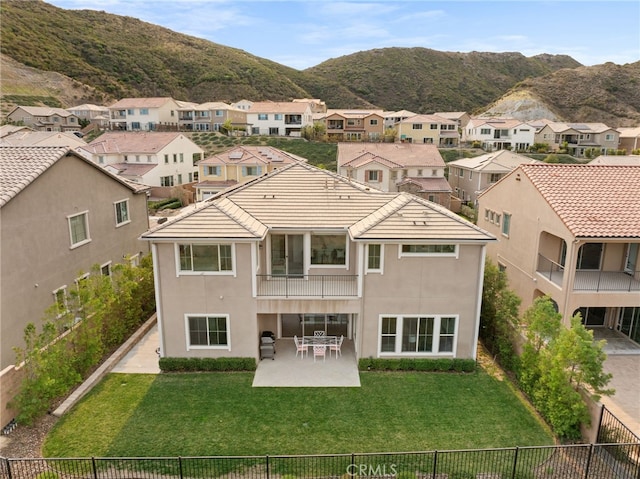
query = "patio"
x=287 y=370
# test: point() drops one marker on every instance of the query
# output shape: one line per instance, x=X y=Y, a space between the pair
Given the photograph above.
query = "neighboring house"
x=389 y=166
x=61 y=214
x=150 y=158
x=618 y=160
x=460 y=117
x=238 y=165
x=10 y=129
x=469 y=177
x=96 y=114
x=571 y=232
x=393 y=117
x=144 y=114
x=500 y=134
x=242 y=104
x=211 y=116
x=577 y=138
x=278 y=118
x=629 y=139
x=44 y=118
x=303 y=249
x=353 y=125
x=429 y=129
x=28 y=137
x=317 y=105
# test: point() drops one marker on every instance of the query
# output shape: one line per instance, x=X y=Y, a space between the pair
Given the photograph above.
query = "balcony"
x=307 y=285
x=618 y=281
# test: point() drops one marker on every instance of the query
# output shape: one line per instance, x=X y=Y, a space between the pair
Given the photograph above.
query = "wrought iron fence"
x=310 y=285
x=582 y=461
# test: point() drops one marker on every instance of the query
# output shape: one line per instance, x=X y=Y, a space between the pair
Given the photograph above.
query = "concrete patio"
x=287 y=370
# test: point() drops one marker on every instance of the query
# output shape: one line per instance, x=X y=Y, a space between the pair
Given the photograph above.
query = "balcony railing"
x=308 y=285
x=590 y=280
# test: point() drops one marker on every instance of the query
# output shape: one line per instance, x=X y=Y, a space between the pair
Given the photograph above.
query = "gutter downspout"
x=479 y=302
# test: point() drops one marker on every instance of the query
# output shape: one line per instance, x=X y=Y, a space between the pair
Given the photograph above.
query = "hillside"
x=424 y=80
x=123 y=56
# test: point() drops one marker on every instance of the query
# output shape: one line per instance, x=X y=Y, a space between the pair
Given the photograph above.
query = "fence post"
x=95 y=469
x=435 y=463
x=600 y=423
x=180 y=465
x=515 y=463
x=353 y=463
x=9 y=468
x=587 y=466
x=267 y=459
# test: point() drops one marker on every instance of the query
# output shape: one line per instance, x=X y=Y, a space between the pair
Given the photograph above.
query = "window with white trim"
x=79 y=229
x=205 y=258
x=373 y=176
x=166 y=181
x=428 y=250
x=263 y=116
x=60 y=300
x=105 y=269
x=506 y=224
x=416 y=126
x=374 y=258
x=207 y=331
x=122 y=212
x=329 y=249
x=415 y=335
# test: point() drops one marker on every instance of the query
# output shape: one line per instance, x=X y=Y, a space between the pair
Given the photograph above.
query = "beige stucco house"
x=278 y=118
x=392 y=166
x=571 y=232
x=211 y=116
x=629 y=139
x=353 y=125
x=429 y=129
x=61 y=214
x=144 y=114
x=44 y=118
x=578 y=138
x=469 y=177
x=303 y=249
x=238 y=165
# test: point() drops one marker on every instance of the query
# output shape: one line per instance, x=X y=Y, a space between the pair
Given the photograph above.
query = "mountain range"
x=64 y=58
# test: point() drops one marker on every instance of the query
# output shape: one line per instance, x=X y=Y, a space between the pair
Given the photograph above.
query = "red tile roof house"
x=571 y=232
x=303 y=249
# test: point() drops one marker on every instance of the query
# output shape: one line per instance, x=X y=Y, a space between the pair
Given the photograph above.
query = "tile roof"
x=45 y=111
x=156 y=102
x=428 y=184
x=300 y=196
x=354 y=113
x=429 y=119
x=41 y=138
x=629 y=132
x=131 y=142
x=501 y=161
x=620 y=160
x=251 y=155
x=278 y=107
x=21 y=165
x=593 y=201
x=401 y=154
x=132 y=169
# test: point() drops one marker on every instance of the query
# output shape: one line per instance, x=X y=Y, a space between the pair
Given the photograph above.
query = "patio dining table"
x=319 y=340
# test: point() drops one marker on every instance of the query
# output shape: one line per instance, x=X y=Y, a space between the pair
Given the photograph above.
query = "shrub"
x=207 y=364
x=417 y=364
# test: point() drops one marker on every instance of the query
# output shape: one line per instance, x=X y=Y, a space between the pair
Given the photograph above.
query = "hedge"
x=207 y=364
x=417 y=364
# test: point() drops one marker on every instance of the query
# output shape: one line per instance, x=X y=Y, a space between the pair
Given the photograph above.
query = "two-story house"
x=96 y=114
x=61 y=214
x=150 y=158
x=577 y=138
x=210 y=116
x=415 y=168
x=238 y=165
x=278 y=118
x=571 y=232
x=44 y=118
x=429 y=129
x=460 y=117
x=629 y=139
x=302 y=249
x=469 y=177
x=353 y=125
x=393 y=117
x=144 y=114
x=500 y=134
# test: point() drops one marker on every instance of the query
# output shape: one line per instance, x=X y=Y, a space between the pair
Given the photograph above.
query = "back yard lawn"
x=221 y=414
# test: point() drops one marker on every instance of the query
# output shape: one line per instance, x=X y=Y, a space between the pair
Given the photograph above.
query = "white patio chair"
x=318 y=333
x=319 y=351
x=336 y=347
x=300 y=347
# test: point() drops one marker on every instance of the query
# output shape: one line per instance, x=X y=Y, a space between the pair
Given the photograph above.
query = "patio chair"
x=336 y=347
x=318 y=333
x=301 y=347
x=319 y=351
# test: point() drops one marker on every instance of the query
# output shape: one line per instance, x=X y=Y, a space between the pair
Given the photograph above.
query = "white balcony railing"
x=307 y=285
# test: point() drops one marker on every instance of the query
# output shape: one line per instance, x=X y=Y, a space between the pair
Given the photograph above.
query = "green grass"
x=221 y=414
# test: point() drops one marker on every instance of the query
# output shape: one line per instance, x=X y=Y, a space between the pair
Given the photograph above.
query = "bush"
x=207 y=364
x=158 y=205
x=417 y=364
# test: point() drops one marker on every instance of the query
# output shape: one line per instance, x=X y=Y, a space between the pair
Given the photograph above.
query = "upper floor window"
x=373 y=176
x=251 y=170
x=79 y=228
x=328 y=249
x=166 y=159
x=101 y=159
x=485 y=131
x=144 y=111
x=263 y=116
x=608 y=137
x=130 y=111
x=494 y=177
x=506 y=224
x=374 y=257
x=122 y=212
x=205 y=257
x=212 y=170
x=433 y=126
x=460 y=172
x=373 y=122
x=208 y=331
x=428 y=249
x=416 y=126
x=277 y=116
x=219 y=113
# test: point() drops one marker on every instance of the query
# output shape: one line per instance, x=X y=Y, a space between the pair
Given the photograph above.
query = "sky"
x=304 y=33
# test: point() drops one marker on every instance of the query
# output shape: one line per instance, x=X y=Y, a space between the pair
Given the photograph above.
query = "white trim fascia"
x=478 y=303
x=254 y=270
x=156 y=282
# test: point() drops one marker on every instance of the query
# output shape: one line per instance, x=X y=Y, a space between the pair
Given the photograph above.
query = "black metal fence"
x=583 y=461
